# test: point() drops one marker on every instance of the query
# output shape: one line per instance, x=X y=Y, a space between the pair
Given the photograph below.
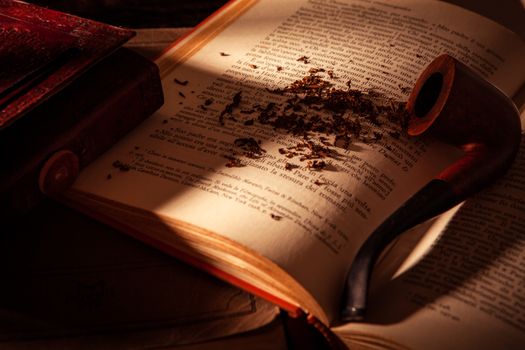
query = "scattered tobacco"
x=323 y=116
x=404 y=89
x=236 y=100
x=121 y=166
x=276 y=217
x=250 y=146
x=304 y=59
x=290 y=166
x=180 y=82
x=315 y=70
x=233 y=162
x=316 y=164
x=206 y=103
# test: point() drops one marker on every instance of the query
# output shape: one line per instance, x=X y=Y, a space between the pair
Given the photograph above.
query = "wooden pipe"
x=459 y=107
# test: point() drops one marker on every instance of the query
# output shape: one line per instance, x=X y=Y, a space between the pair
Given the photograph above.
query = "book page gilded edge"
x=189 y=44
x=69 y=200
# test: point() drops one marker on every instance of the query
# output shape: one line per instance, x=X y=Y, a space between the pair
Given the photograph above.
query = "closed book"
x=42 y=152
x=42 y=50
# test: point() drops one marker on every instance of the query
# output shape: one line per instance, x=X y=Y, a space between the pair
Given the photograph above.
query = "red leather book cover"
x=66 y=95
x=42 y=50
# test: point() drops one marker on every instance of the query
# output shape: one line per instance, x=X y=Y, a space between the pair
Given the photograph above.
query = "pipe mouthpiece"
x=353 y=314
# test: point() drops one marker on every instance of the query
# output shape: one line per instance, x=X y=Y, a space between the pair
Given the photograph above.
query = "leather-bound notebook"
x=67 y=92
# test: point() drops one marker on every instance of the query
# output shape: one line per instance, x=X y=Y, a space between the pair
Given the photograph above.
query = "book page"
x=468 y=289
x=188 y=162
x=508 y=13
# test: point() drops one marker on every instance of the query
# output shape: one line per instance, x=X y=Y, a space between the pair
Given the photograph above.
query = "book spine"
x=333 y=341
x=84 y=120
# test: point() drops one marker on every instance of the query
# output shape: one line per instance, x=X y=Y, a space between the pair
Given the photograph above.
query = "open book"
x=219 y=178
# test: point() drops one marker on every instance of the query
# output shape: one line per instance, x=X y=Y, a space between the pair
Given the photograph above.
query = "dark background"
x=176 y=13
x=138 y=13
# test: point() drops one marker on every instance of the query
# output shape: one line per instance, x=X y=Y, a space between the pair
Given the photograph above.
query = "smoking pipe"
x=457 y=106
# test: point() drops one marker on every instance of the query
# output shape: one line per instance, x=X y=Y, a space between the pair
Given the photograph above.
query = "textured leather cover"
x=41 y=51
x=86 y=118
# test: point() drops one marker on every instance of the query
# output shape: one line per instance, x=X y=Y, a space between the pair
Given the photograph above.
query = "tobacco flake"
x=316 y=164
x=315 y=70
x=121 y=166
x=404 y=89
x=229 y=107
x=276 y=217
x=233 y=162
x=250 y=146
x=290 y=166
x=304 y=59
x=180 y=82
